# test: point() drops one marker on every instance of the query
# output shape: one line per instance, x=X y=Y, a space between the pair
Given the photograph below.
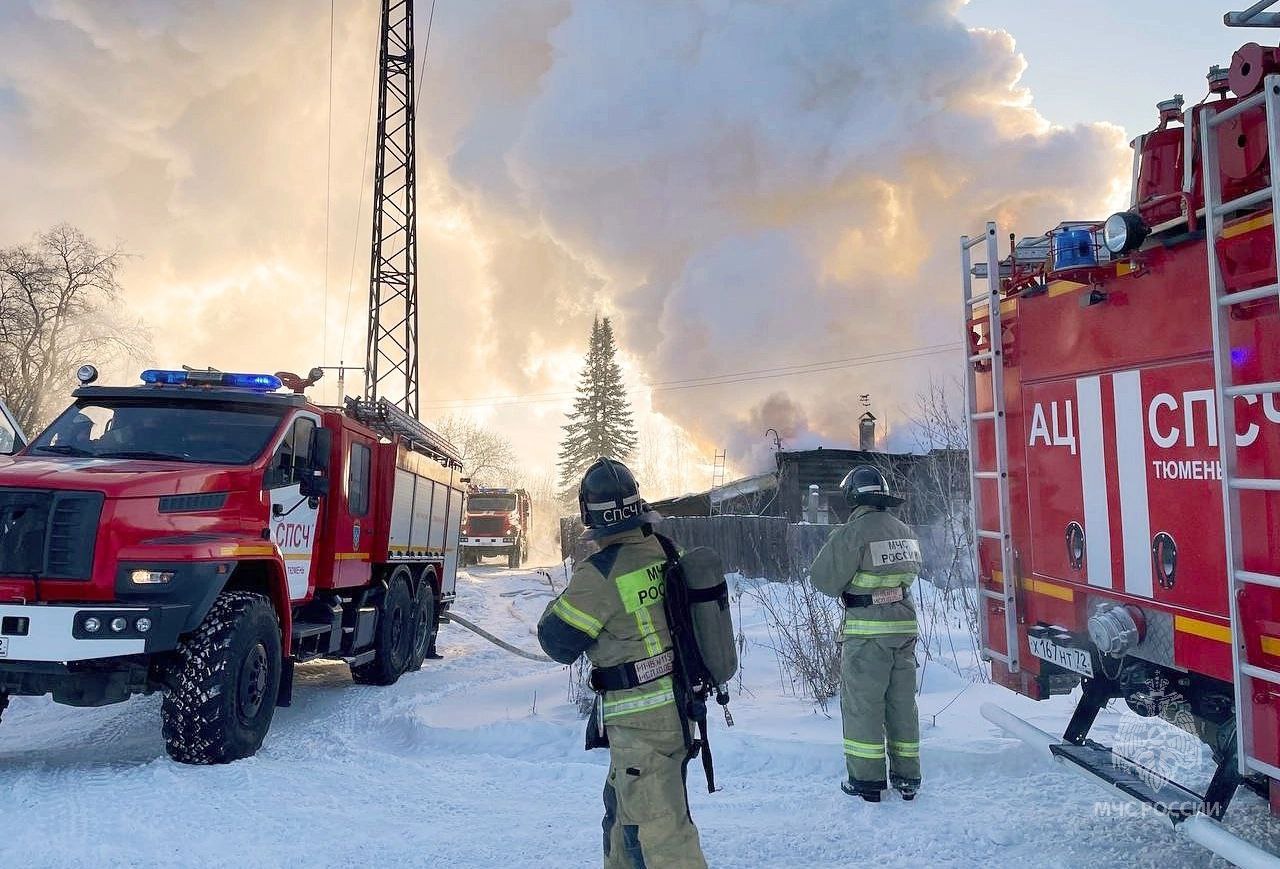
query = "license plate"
x=4 y=647
x=1067 y=657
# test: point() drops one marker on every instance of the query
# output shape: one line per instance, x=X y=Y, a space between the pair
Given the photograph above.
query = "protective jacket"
x=873 y=554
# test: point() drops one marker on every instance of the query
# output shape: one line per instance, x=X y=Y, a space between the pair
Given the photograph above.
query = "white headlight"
x=92 y=625
x=151 y=577
x=118 y=624
x=143 y=625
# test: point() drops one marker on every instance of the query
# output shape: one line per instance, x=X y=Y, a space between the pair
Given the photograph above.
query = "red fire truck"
x=202 y=533
x=1124 y=407
x=496 y=522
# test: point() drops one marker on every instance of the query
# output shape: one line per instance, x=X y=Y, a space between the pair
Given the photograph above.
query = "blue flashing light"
x=1239 y=355
x=259 y=382
x=164 y=378
x=251 y=381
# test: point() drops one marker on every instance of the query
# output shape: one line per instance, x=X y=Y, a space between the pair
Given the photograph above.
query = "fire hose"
x=476 y=629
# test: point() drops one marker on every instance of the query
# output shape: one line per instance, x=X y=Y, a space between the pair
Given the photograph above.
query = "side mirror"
x=11 y=437
x=321 y=447
x=314 y=482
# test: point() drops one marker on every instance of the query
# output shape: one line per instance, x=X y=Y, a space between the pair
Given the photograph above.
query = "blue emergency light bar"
x=261 y=382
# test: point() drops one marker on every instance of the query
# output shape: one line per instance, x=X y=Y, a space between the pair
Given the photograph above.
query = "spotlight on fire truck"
x=1123 y=232
x=86 y=374
x=261 y=382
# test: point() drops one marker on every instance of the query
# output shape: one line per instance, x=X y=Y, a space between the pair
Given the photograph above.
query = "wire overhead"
x=729 y=377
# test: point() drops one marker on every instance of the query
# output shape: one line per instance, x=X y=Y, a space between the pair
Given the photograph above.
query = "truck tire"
x=425 y=625
x=222 y=691
x=513 y=556
x=393 y=638
x=4 y=704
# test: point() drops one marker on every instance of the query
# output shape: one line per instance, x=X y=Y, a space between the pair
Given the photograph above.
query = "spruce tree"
x=601 y=423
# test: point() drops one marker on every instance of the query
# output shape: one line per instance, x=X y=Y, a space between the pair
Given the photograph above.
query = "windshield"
x=491 y=503
x=213 y=432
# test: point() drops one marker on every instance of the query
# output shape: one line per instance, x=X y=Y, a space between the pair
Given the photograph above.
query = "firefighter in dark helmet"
x=870 y=563
x=613 y=611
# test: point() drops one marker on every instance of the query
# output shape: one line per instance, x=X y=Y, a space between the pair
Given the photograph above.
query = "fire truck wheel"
x=513 y=556
x=425 y=626
x=4 y=704
x=393 y=644
x=224 y=681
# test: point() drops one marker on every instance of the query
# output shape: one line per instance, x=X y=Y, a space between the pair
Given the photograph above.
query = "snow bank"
x=477 y=761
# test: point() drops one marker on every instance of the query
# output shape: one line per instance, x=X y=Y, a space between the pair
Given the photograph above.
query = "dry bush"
x=803 y=626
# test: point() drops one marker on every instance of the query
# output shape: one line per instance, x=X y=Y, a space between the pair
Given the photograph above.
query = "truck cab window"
x=358 y=480
x=292 y=456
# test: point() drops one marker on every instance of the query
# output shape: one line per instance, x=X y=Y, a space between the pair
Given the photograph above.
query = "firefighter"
x=870 y=563
x=612 y=610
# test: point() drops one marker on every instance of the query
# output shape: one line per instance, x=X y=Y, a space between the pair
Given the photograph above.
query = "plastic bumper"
x=486 y=542
x=56 y=632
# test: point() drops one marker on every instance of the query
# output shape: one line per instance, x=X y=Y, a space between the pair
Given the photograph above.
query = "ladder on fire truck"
x=395 y=425
x=982 y=524
x=1222 y=302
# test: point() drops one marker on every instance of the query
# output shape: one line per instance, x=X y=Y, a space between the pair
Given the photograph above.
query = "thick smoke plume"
x=743 y=185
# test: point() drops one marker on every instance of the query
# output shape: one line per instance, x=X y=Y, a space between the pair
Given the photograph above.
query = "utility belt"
x=875 y=598
x=635 y=673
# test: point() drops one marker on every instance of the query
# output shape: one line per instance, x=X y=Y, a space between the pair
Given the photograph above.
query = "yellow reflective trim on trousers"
x=887 y=580
x=864 y=750
x=642 y=702
x=904 y=749
x=575 y=617
x=869 y=628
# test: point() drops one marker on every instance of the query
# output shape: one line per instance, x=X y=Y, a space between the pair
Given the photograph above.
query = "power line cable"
x=726 y=378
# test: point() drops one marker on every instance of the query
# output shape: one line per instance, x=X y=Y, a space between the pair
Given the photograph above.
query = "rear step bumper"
x=1180 y=806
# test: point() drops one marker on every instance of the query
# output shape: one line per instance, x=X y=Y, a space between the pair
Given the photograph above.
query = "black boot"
x=908 y=789
x=868 y=790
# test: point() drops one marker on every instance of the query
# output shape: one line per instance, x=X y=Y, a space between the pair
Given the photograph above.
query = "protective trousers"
x=878 y=701
x=646 y=808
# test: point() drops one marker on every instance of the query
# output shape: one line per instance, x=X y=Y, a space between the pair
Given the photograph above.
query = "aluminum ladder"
x=994 y=354
x=715 y=497
x=1226 y=390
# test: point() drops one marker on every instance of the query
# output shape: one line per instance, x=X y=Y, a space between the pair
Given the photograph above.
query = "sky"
x=753 y=188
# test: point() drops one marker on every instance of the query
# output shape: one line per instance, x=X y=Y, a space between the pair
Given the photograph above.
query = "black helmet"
x=865 y=486
x=609 y=500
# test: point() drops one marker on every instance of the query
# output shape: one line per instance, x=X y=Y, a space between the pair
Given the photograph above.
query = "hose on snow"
x=476 y=629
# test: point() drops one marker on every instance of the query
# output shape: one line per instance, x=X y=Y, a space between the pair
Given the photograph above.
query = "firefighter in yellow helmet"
x=613 y=611
x=870 y=563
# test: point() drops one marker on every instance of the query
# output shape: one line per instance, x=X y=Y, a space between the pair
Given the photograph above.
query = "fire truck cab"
x=496 y=522
x=203 y=532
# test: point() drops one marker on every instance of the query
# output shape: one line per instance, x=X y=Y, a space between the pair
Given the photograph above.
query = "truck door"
x=11 y=437
x=293 y=517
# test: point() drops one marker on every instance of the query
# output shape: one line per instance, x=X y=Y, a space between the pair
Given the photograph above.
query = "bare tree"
x=941 y=483
x=59 y=303
x=487 y=455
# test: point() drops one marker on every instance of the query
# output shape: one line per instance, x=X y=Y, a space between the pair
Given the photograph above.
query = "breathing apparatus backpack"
x=706 y=653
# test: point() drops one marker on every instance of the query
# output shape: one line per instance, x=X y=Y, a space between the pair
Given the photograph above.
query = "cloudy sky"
x=745 y=187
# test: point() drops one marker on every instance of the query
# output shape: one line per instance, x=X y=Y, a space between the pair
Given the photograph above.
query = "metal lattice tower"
x=391 y=368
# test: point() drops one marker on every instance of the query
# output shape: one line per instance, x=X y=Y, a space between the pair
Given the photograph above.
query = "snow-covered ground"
x=477 y=761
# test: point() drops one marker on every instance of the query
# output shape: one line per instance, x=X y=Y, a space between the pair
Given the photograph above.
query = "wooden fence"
x=755 y=546
x=762 y=547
